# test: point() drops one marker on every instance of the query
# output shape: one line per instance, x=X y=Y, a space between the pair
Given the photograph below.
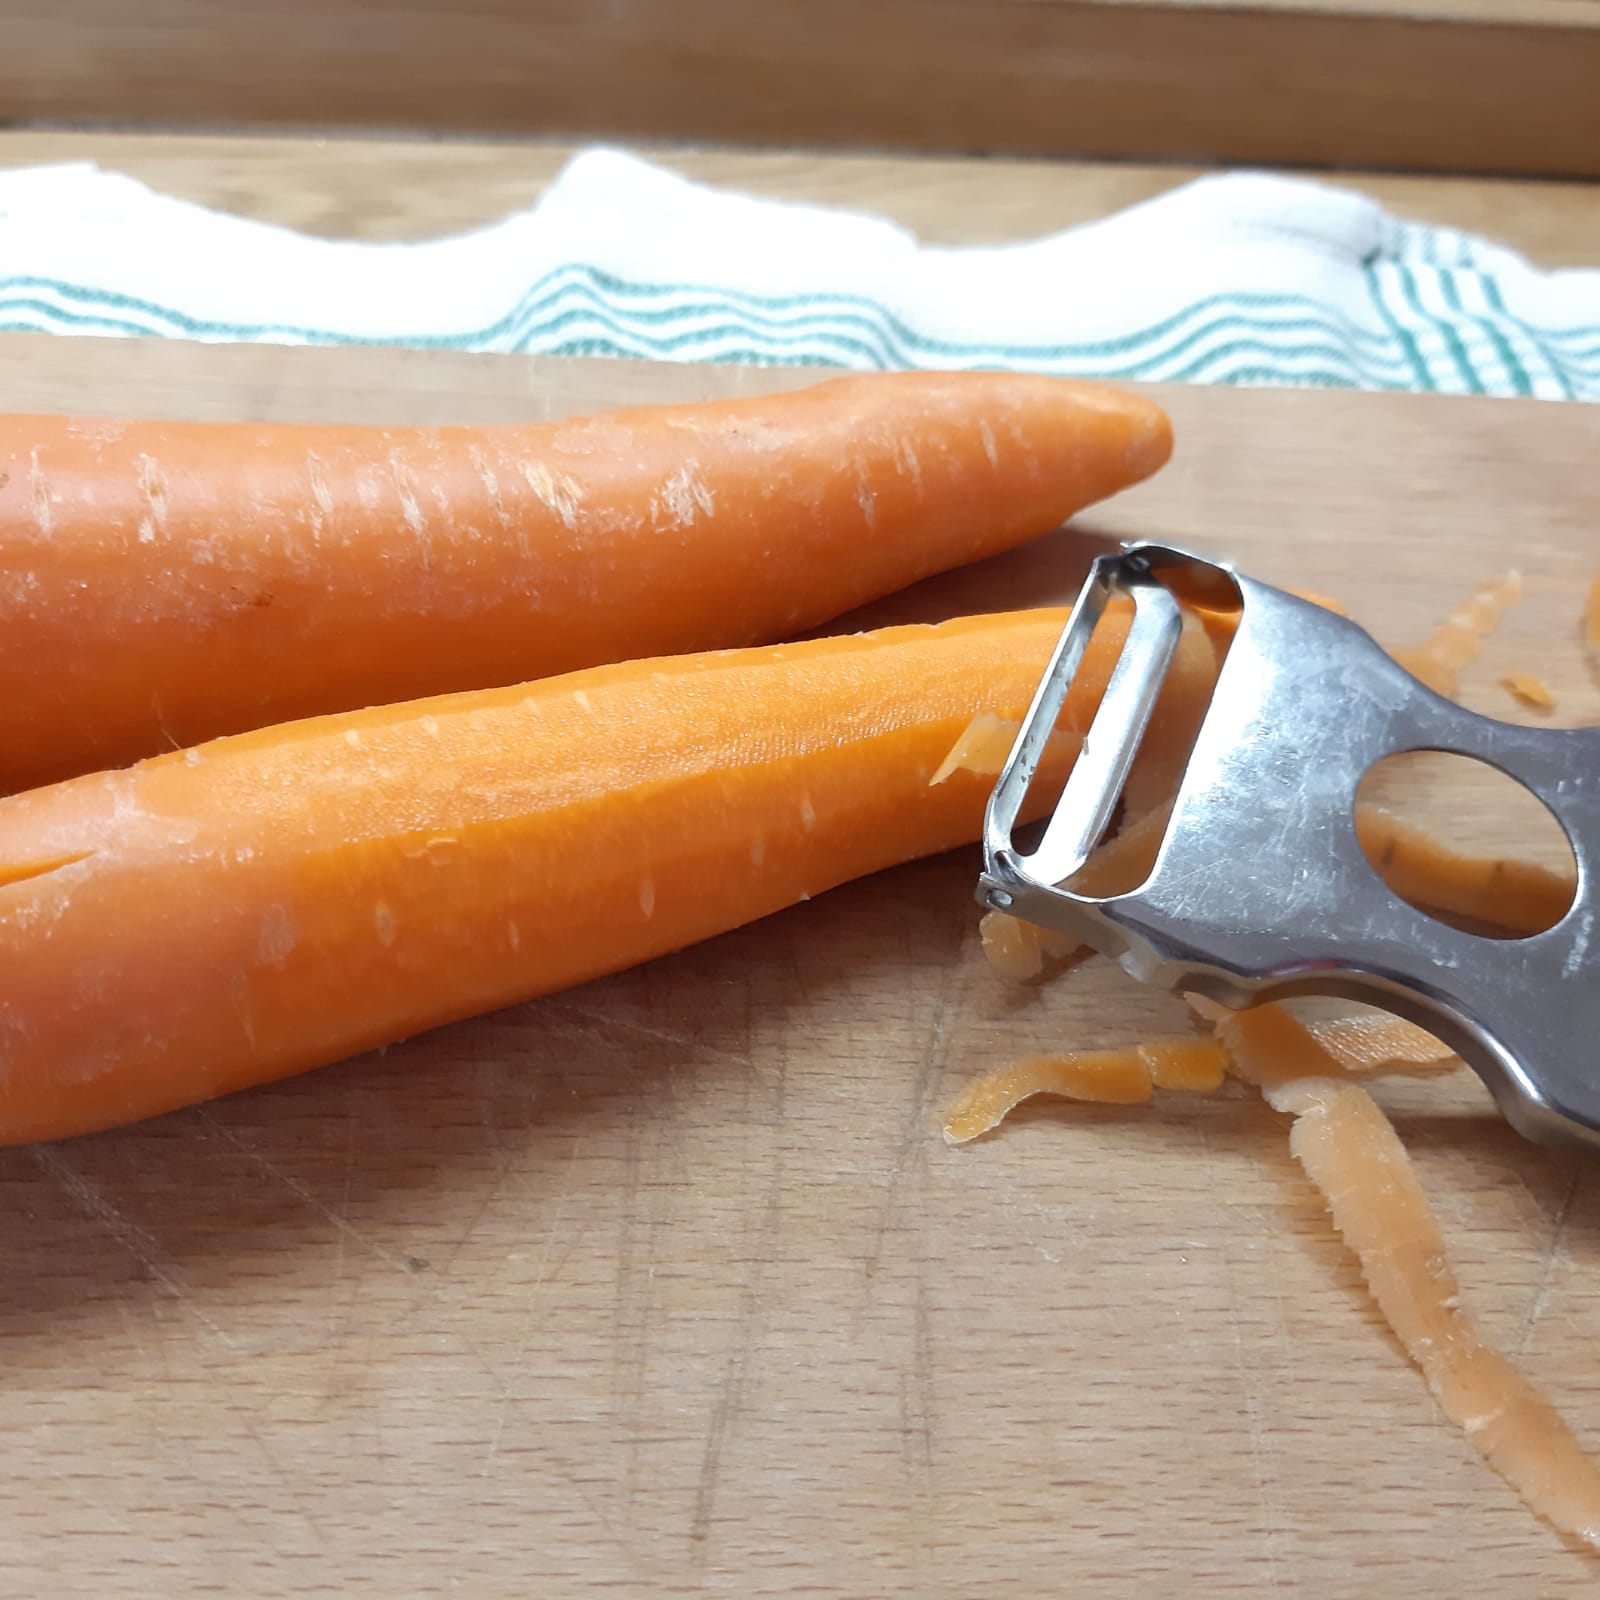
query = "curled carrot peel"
x=1108 y=1077
x=1372 y=1042
x=258 y=906
x=1021 y=950
x=1351 y=1152
x=1361 y=1045
x=1529 y=690
x=1517 y=896
x=166 y=583
x=1456 y=642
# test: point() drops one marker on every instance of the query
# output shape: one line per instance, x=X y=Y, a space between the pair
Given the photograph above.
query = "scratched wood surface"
x=669 y=1285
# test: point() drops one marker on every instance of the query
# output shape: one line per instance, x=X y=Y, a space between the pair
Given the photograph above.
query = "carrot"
x=1106 y=1077
x=258 y=906
x=164 y=583
x=1363 y=1044
x=1349 y=1149
x=1530 y=690
x=1458 y=639
x=1496 y=891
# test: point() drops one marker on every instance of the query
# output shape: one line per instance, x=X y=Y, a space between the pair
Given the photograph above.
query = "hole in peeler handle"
x=1465 y=843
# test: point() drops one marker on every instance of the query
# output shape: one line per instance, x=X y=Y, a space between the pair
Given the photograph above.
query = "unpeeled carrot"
x=164 y=583
x=257 y=906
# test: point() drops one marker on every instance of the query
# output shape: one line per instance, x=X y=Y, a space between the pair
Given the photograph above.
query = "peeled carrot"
x=258 y=906
x=163 y=583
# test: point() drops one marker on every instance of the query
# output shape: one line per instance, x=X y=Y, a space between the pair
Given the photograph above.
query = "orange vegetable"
x=1351 y=1152
x=1108 y=1077
x=230 y=914
x=1373 y=1042
x=1532 y=691
x=163 y=583
x=1591 y=621
x=1364 y=1043
x=1517 y=896
x=1456 y=642
x=1353 y=1155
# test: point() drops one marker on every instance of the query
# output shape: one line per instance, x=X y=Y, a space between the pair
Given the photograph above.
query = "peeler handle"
x=1260 y=887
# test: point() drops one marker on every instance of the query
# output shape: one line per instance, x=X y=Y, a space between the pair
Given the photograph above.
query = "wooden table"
x=670 y=1286
x=1501 y=86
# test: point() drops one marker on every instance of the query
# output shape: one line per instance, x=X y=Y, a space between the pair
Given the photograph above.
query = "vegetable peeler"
x=1259 y=888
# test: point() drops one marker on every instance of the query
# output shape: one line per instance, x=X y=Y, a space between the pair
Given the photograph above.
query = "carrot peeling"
x=1349 y=1149
x=1456 y=642
x=1497 y=891
x=173 y=582
x=1107 y=1077
x=1022 y=950
x=1372 y=1043
x=1529 y=690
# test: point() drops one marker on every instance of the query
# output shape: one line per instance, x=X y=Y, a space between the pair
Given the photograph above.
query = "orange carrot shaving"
x=1364 y=1043
x=984 y=744
x=1591 y=621
x=1529 y=690
x=1456 y=642
x=1021 y=950
x=1371 y=1042
x=1107 y=1077
x=1360 y=1043
x=1351 y=1152
x=1514 y=895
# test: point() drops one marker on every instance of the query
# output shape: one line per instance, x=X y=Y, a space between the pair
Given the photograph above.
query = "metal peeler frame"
x=1260 y=888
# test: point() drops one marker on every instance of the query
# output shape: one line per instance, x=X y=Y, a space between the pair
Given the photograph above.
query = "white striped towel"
x=1242 y=278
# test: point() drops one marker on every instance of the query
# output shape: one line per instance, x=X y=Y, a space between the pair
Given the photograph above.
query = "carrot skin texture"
x=251 y=908
x=166 y=583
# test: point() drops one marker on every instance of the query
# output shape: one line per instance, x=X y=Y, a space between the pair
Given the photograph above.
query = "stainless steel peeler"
x=1260 y=888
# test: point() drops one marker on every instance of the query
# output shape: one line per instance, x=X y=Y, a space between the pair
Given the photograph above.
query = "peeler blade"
x=1259 y=888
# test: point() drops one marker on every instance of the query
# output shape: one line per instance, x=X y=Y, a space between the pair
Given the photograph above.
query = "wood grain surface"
x=670 y=1286
x=1448 y=85
x=410 y=188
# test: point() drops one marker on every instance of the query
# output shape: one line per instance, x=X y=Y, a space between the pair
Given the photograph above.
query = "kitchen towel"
x=1241 y=278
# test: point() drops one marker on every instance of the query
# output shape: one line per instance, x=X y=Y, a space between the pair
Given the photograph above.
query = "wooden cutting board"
x=669 y=1285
